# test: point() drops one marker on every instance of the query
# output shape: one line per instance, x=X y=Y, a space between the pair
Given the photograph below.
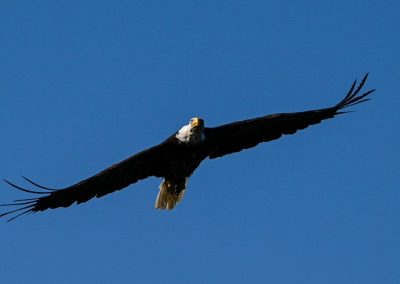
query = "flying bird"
x=176 y=158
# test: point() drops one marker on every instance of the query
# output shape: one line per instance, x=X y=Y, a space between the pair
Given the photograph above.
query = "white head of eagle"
x=193 y=132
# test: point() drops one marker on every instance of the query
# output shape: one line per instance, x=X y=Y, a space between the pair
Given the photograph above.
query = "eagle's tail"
x=170 y=194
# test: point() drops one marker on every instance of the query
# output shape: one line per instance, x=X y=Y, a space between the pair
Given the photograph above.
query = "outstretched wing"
x=237 y=136
x=150 y=162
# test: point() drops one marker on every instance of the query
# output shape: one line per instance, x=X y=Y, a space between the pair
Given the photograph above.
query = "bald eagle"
x=179 y=155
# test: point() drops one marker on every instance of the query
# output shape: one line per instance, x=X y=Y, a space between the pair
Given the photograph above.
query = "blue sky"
x=85 y=84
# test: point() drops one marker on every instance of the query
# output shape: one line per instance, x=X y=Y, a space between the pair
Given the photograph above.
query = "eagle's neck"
x=190 y=135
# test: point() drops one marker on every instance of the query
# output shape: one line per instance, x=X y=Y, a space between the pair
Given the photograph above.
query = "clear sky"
x=85 y=84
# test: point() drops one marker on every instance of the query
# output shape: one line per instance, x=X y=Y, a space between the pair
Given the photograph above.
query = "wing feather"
x=150 y=162
x=237 y=136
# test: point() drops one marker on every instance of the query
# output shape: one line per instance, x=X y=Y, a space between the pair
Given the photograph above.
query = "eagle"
x=176 y=158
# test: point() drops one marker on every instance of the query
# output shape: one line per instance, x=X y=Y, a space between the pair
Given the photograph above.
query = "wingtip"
x=38 y=185
x=352 y=97
x=23 y=189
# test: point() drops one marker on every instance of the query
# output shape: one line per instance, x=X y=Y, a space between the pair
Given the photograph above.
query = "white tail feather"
x=167 y=199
